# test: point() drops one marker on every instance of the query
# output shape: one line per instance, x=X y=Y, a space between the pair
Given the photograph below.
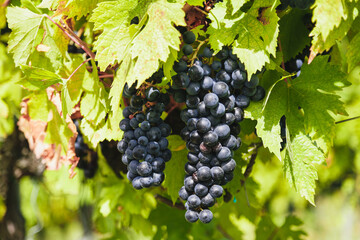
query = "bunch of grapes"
x=144 y=145
x=88 y=159
x=215 y=90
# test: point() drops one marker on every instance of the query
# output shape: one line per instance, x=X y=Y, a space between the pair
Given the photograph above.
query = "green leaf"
x=341 y=24
x=353 y=56
x=195 y=2
x=38 y=106
x=2 y=15
x=79 y=8
x=266 y=229
x=328 y=14
x=27 y=33
x=268 y=127
x=253 y=34
x=38 y=78
x=174 y=169
x=153 y=43
x=299 y=168
x=146 y=44
x=305 y=102
x=123 y=75
x=57 y=131
x=294 y=35
x=72 y=89
x=94 y=103
x=50 y=4
x=236 y=4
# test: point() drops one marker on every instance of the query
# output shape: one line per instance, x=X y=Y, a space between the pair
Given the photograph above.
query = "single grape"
x=207 y=83
x=183 y=194
x=193 y=88
x=211 y=100
x=223 y=76
x=204 y=173
x=139 y=152
x=207 y=201
x=230 y=65
x=201 y=190
x=193 y=201
x=189 y=37
x=187 y=49
x=216 y=65
x=210 y=138
x=229 y=166
x=242 y=101
x=146 y=182
x=180 y=66
x=191 y=216
x=158 y=165
x=222 y=130
x=144 y=169
x=259 y=95
x=196 y=73
x=207 y=52
x=216 y=191
x=158 y=178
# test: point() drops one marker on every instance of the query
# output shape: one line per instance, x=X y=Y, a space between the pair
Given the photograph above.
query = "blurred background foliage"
x=107 y=207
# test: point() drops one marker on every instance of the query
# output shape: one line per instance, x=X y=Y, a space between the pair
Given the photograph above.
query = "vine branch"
x=169 y=202
x=346 y=120
x=251 y=163
x=223 y=232
x=68 y=32
x=72 y=74
x=202 y=11
x=6 y=3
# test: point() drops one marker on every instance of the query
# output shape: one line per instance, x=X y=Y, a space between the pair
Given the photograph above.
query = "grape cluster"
x=88 y=159
x=215 y=95
x=144 y=145
x=300 y=4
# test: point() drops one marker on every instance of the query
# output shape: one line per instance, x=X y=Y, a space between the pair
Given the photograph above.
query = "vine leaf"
x=328 y=30
x=299 y=168
x=293 y=34
x=113 y=19
x=147 y=45
x=253 y=35
x=305 y=102
x=27 y=32
x=38 y=78
x=325 y=8
x=174 y=167
x=139 y=48
x=352 y=54
x=266 y=229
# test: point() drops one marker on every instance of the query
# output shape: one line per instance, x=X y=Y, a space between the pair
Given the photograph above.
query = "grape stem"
x=251 y=163
x=72 y=74
x=197 y=50
x=68 y=32
x=6 y=3
x=203 y=12
x=107 y=75
x=223 y=232
x=169 y=202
